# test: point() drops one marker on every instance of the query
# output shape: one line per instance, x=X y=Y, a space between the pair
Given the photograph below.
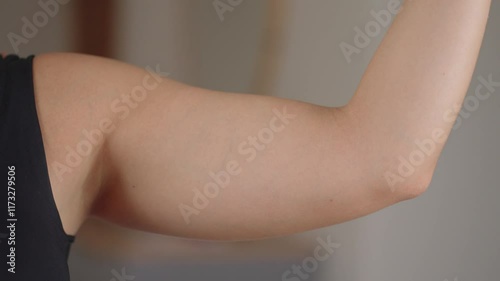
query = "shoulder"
x=72 y=92
x=81 y=99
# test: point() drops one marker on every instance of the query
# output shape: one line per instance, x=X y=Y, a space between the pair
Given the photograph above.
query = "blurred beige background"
x=291 y=49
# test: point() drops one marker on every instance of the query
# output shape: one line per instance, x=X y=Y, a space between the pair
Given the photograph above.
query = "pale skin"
x=325 y=166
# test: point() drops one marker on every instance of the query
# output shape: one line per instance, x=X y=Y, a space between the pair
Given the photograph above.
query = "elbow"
x=416 y=187
x=408 y=188
x=388 y=162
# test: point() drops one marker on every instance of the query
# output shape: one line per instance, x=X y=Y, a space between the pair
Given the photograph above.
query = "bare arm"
x=197 y=163
x=420 y=73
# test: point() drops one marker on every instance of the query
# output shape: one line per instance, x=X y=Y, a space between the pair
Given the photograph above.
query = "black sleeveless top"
x=33 y=244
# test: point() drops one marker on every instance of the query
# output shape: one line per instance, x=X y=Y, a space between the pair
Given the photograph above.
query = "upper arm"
x=321 y=167
x=192 y=162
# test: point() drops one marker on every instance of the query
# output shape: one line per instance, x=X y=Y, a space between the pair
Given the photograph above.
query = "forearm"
x=421 y=71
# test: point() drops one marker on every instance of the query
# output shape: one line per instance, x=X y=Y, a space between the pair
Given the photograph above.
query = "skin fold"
x=270 y=166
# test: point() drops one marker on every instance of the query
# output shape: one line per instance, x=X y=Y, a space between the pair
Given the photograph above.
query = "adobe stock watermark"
x=363 y=38
x=309 y=265
x=249 y=148
x=426 y=147
x=122 y=108
x=122 y=275
x=223 y=6
x=31 y=26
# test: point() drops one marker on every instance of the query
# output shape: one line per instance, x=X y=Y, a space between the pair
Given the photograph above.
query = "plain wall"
x=54 y=36
x=189 y=39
